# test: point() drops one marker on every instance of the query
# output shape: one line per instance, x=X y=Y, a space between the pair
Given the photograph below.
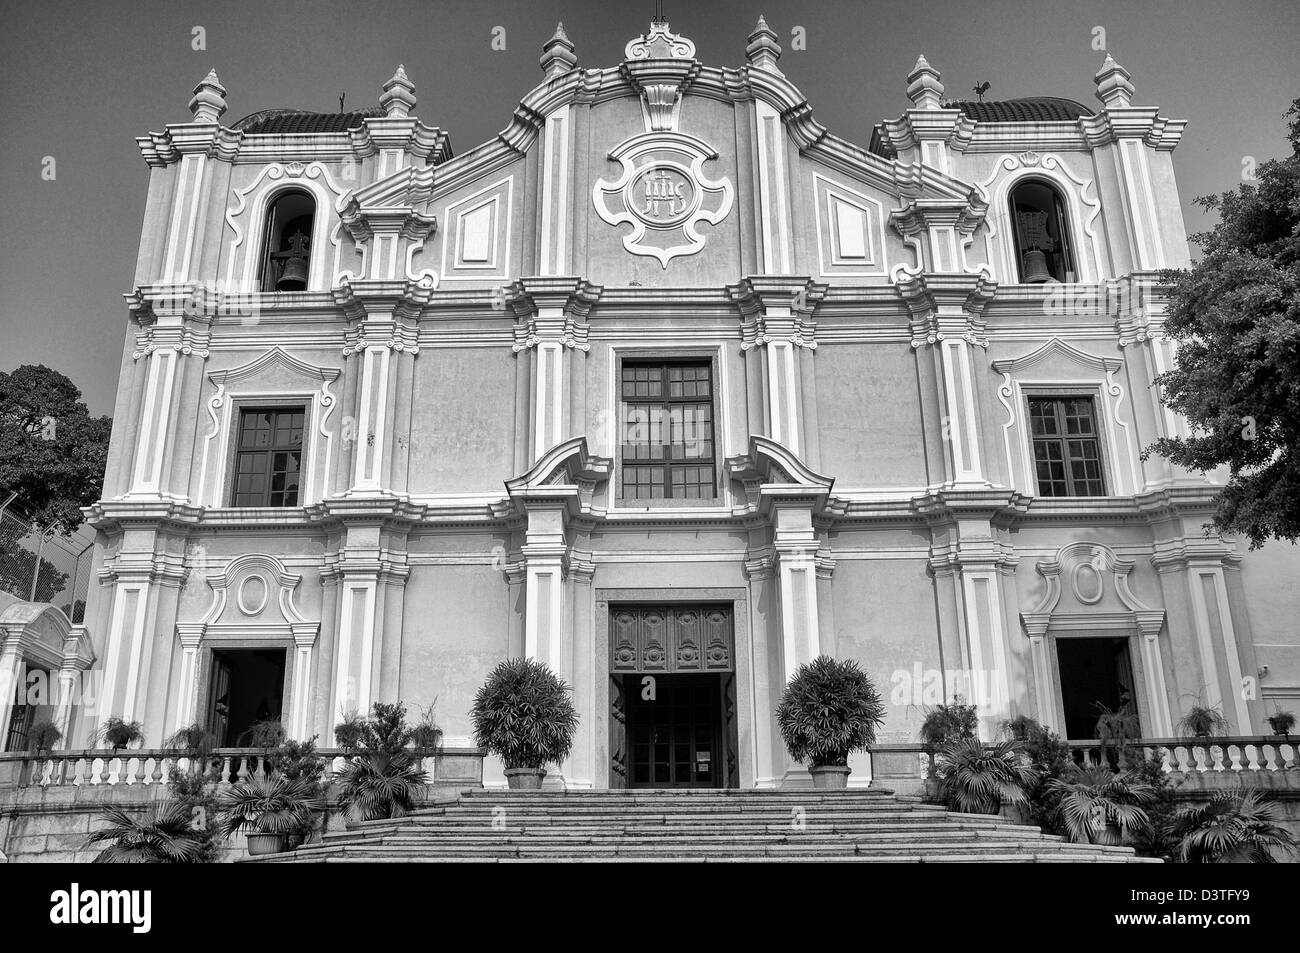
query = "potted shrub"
x=44 y=735
x=829 y=709
x=1281 y=722
x=268 y=809
x=383 y=778
x=975 y=778
x=1021 y=728
x=351 y=731
x=118 y=733
x=1119 y=726
x=1098 y=806
x=1232 y=828
x=1203 y=721
x=266 y=734
x=944 y=723
x=524 y=715
x=426 y=734
x=194 y=741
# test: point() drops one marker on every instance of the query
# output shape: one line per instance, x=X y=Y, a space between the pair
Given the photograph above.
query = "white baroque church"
x=665 y=380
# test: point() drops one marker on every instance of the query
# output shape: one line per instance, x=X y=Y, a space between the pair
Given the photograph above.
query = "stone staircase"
x=694 y=825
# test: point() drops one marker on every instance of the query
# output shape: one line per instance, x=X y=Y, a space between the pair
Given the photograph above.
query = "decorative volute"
x=557 y=53
x=209 y=102
x=1113 y=86
x=763 y=50
x=660 y=43
x=398 y=97
x=923 y=86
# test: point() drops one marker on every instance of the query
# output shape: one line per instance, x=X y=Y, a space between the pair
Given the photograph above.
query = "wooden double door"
x=673 y=703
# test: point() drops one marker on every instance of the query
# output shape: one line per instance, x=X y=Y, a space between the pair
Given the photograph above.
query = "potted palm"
x=975 y=778
x=829 y=709
x=1098 y=806
x=1232 y=828
x=523 y=714
x=382 y=779
x=268 y=809
x=165 y=835
x=298 y=760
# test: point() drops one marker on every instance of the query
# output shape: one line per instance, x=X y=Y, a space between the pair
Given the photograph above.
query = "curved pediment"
x=773 y=464
x=565 y=464
x=1053 y=348
x=275 y=357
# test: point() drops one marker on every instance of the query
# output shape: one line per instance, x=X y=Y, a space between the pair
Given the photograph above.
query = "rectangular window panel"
x=1067 y=457
x=268 y=457
x=668 y=449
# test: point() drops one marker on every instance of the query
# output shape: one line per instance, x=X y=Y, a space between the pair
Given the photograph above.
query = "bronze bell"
x=294 y=276
x=1036 y=267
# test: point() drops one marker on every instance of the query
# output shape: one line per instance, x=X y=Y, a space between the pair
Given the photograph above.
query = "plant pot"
x=525 y=779
x=259 y=844
x=830 y=777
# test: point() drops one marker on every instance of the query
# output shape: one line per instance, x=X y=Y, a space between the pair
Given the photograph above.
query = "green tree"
x=1236 y=317
x=52 y=451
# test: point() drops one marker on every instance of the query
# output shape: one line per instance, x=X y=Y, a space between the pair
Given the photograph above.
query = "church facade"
x=673 y=389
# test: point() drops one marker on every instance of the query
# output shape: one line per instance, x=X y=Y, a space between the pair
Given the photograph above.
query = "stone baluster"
x=139 y=769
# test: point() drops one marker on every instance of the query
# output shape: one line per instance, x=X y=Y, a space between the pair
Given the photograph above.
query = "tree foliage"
x=52 y=451
x=1236 y=318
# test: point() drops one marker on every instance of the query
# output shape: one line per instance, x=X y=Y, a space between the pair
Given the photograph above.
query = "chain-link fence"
x=42 y=565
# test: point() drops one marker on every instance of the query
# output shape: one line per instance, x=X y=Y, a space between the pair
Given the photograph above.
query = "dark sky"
x=81 y=80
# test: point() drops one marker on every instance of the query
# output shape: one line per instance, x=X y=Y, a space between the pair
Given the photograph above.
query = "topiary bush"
x=523 y=714
x=829 y=709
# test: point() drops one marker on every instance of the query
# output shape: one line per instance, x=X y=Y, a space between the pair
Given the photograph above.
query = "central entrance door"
x=672 y=697
x=675 y=733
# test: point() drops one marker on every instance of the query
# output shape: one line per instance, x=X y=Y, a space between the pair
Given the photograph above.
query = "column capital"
x=552 y=309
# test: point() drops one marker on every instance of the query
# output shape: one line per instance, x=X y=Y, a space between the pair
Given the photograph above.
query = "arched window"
x=286 y=256
x=1042 y=233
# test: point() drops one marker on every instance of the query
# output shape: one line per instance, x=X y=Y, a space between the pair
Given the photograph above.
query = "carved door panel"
x=617 y=733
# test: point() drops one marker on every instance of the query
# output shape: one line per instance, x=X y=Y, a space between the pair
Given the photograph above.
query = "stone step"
x=775 y=851
x=698 y=826
x=724 y=859
x=928 y=833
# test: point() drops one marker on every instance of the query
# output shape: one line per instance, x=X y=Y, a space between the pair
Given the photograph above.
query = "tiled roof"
x=297 y=122
x=1030 y=109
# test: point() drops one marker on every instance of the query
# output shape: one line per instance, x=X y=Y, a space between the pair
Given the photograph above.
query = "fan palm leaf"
x=1232 y=829
x=1098 y=806
x=269 y=805
x=163 y=836
x=979 y=779
x=376 y=786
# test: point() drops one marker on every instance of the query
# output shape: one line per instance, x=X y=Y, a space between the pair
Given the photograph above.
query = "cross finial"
x=660 y=16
